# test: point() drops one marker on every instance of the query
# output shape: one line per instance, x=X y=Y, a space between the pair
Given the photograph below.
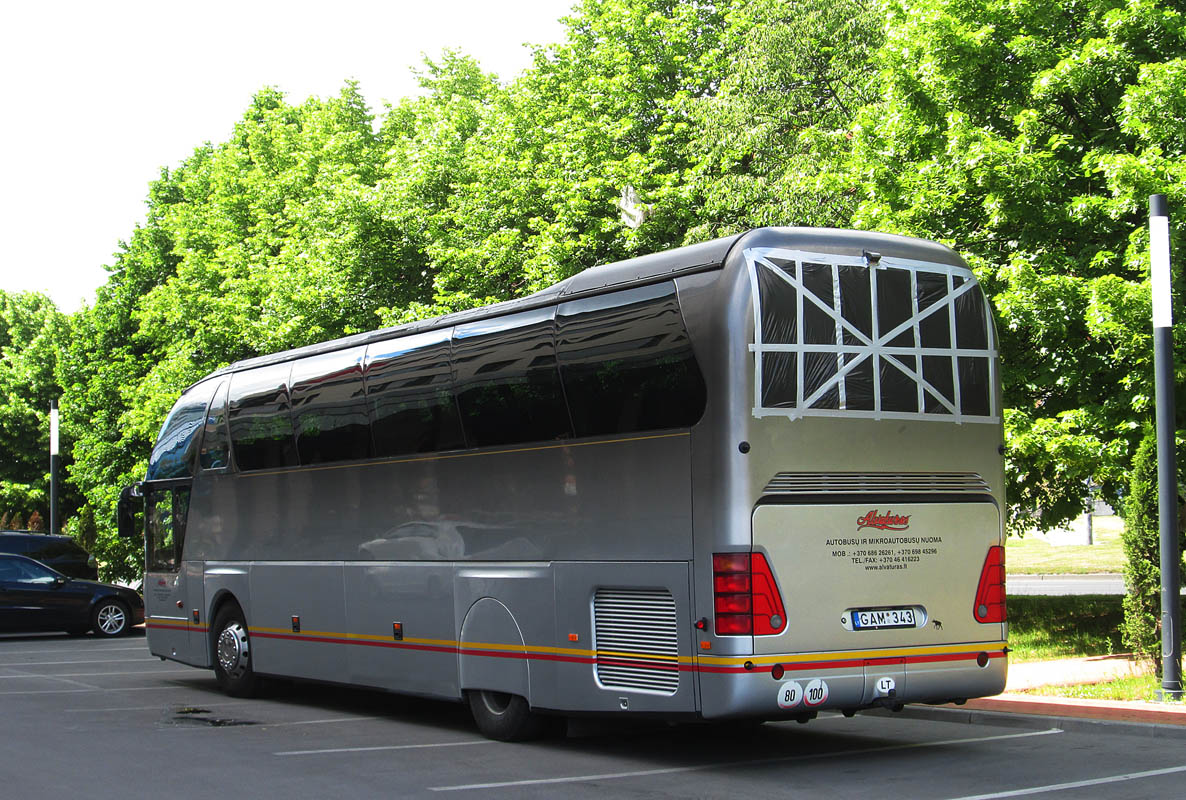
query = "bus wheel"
x=232 y=654
x=507 y=717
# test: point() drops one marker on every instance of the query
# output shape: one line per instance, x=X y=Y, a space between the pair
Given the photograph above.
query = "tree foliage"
x=1022 y=134
x=32 y=331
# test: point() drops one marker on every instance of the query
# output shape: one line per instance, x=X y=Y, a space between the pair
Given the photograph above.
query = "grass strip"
x=1136 y=687
x=1043 y=628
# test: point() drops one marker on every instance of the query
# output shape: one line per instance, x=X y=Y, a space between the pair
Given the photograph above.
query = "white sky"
x=97 y=97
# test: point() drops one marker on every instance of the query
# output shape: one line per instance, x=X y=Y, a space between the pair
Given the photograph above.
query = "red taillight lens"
x=745 y=596
x=769 y=615
x=734 y=604
x=990 y=593
x=734 y=625
x=731 y=583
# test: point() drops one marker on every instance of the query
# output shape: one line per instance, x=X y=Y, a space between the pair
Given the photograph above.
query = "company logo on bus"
x=888 y=521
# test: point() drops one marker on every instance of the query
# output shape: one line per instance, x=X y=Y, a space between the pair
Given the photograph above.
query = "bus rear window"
x=836 y=335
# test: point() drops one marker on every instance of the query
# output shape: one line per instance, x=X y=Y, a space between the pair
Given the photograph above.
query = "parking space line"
x=59 y=650
x=16 y=664
x=156 y=707
x=98 y=674
x=319 y=721
x=99 y=689
x=745 y=763
x=382 y=747
x=1058 y=787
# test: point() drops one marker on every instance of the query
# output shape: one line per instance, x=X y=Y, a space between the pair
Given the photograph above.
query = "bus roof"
x=640 y=271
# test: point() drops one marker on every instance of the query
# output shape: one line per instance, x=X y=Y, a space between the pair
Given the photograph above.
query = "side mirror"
x=126 y=511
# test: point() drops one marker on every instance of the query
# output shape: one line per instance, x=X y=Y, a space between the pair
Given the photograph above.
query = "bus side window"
x=165 y=515
x=260 y=423
x=627 y=363
x=409 y=384
x=329 y=408
x=215 y=452
x=508 y=384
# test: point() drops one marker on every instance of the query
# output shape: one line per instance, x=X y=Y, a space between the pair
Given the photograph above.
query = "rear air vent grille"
x=636 y=641
x=798 y=483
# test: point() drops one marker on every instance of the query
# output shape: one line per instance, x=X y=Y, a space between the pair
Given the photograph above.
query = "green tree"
x=771 y=141
x=267 y=241
x=31 y=332
x=522 y=183
x=1024 y=134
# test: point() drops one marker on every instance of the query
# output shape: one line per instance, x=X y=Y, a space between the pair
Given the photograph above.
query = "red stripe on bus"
x=862 y=662
x=639 y=663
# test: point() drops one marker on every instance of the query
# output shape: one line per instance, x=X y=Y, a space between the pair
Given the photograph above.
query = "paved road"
x=103 y=719
x=1065 y=584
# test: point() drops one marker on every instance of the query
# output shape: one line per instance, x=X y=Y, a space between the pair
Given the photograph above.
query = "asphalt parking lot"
x=102 y=718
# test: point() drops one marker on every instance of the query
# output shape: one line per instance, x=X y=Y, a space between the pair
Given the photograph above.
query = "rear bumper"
x=738 y=687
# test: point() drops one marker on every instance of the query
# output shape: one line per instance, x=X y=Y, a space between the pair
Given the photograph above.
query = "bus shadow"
x=665 y=744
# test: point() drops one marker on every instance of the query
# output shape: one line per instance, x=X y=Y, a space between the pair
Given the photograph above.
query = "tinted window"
x=14 y=544
x=627 y=363
x=173 y=455
x=410 y=389
x=215 y=452
x=508 y=386
x=329 y=411
x=261 y=428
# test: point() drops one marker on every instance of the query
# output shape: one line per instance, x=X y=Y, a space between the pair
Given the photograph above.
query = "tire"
x=111 y=618
x=507 y=717
x=232 y=654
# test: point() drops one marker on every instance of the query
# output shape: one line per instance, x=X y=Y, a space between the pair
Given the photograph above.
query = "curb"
x=1077 y=716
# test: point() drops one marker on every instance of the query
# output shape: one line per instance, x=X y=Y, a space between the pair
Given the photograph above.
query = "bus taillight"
x=746 y=599
x=769 y=615
x=990 y=593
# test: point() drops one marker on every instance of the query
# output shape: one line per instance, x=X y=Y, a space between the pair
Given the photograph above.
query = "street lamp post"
x=1167 y=472
x=54 y=464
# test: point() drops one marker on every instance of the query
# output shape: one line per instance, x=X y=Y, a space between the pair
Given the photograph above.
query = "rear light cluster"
x=990 y=593
x=746 y=600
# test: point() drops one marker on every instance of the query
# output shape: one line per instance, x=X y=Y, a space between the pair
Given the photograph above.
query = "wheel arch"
x=492 y=654
x=222 y=599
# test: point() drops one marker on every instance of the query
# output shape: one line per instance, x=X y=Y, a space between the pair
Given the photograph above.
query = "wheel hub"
x=111 y=619
x=496 y=702
x=233 y=650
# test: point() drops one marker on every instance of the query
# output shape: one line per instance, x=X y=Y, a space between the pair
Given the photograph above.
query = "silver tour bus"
x=758 y=477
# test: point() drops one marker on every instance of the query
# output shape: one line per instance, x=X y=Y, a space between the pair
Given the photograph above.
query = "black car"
x=34 y=597
x=60 y=552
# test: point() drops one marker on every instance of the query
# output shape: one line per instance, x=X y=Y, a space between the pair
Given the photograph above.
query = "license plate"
x=878 y=619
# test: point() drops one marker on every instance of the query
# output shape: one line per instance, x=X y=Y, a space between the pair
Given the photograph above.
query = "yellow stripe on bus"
x=723 y=661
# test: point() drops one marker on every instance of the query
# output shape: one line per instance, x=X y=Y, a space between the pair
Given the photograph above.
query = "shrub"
x=1141 y=630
